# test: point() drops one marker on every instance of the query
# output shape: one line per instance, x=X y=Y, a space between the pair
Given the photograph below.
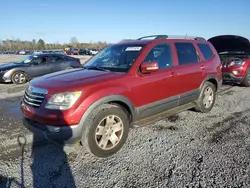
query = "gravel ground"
x=187 y=150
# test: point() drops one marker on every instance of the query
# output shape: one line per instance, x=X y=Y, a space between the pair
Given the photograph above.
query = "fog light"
x=236 y=72
x=53 y=129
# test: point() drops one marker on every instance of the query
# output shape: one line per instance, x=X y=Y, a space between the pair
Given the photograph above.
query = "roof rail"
x=172 y=36
x=124 y=40
x=156 y=37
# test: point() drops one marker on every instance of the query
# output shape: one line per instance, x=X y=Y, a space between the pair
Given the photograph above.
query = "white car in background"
x=22 y=52
x=93 y=51
x=37 y=52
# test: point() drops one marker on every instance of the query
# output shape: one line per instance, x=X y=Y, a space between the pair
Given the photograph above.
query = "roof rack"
x=156 y=37
x=124 y=40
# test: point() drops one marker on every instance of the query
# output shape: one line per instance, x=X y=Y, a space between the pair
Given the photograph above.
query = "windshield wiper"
x=96 y=68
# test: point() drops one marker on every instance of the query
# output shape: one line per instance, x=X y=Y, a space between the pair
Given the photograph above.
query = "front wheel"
x=105 y=131
x=19 y=78
x=206 y=99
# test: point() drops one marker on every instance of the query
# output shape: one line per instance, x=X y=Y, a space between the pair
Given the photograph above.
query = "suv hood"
x=72 y=79
x=230 y=43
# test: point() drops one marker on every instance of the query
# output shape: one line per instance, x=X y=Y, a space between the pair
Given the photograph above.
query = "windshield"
x=26 y=60
x=117 y=58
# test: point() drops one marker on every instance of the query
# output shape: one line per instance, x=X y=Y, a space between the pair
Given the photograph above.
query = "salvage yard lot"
x=187 y=150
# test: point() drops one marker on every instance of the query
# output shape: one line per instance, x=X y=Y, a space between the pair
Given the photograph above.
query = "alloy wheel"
x=19 y=78
x=109 y=132
x=208 y=97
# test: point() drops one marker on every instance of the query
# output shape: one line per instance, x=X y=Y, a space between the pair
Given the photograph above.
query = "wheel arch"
x=118 y=100
x=213 y=80
x=14 y=71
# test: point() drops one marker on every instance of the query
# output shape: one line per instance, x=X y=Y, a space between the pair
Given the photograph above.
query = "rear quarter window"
x=206 y=50
x=68 y=58
x=186 y=53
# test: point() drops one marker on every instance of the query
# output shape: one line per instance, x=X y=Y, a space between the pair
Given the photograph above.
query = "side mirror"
x=148 y=67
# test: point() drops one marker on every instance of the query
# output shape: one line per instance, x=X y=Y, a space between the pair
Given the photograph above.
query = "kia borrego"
x=127 y=84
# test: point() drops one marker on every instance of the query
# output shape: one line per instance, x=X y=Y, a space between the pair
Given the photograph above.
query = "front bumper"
x=5 y=78
x=230 y=77
x=65 y=135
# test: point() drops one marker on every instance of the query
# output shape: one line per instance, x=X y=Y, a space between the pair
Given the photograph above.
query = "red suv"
x=126 y=84
x=234 y=52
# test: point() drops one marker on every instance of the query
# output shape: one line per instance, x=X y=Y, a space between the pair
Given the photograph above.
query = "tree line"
x=17 y=44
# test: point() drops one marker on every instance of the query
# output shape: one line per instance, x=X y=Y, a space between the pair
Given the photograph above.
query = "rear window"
x=206 y=51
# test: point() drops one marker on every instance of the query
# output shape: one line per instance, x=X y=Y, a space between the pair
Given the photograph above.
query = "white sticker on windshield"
x=133 y=48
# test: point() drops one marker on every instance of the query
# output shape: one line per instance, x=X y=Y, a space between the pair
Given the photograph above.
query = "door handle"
x=202 y=67
x=172 y=74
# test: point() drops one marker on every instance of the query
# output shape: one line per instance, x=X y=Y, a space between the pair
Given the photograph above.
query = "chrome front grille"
x=34 y=96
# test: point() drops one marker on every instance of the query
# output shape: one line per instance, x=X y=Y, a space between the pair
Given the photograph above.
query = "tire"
x=19 y=78
x=92 y=131
x=208 y=91
x=246 y=80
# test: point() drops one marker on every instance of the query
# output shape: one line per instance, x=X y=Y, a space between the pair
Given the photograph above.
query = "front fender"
x=98 y=98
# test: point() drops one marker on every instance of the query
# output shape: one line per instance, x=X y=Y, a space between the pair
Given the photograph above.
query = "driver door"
x=156 y=91
x=39 y=66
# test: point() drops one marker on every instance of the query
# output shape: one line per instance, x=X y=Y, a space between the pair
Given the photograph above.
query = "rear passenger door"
x=57 y=63
x=190 y=71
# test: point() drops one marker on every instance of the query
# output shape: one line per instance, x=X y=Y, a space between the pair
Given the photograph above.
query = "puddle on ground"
x=10 y=107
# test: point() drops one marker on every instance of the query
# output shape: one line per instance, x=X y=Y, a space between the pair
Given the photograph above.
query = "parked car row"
x=30 y=52
x=76 y=51
x=71 y=51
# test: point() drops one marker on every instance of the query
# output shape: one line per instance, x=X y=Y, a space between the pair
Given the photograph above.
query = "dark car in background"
x=36 y=65
x=84 y=52
x=234 y=52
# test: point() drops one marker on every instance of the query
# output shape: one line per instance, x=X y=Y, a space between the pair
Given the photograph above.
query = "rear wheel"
x=19 y=78
x=106 y=131
x=246 y=80
x=206 y=99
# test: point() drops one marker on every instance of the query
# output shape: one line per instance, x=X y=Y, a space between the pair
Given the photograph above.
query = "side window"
x=186 y=53
x=206 y=51
x=40 y=60
x=54 y=59
x=67 y=58
x=161 y=54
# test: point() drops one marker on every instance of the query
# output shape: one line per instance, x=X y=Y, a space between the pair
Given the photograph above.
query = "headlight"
x=237 y=63
x=63 y=101
x=3 y=71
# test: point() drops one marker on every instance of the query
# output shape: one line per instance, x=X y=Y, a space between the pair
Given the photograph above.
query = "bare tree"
x=17 y=44
x=74 y=41
x=41 y=44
